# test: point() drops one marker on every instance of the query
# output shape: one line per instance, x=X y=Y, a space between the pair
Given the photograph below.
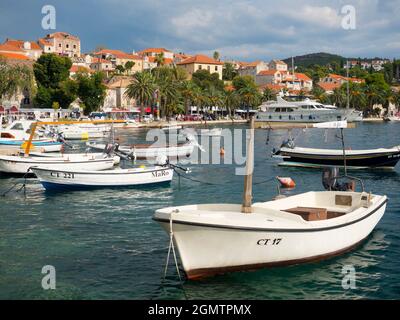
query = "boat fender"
x=286 y=182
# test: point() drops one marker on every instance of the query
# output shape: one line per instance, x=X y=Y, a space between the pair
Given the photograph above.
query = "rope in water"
x=171 y=247
x=17 y=183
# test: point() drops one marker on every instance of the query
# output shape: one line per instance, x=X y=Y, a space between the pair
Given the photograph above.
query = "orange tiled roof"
x=14 y=56
x=166 y=60
x=20 y=44
x=8 y=47
x=76 y=68
x=154 y=50
x=273 y=86
x=249 y=64
x=329 y=86
x=181 y=56
x=229 y=87
x=267 y=72
x=100 y=60
x=302 y=76
x=199 y=58
x=119 y=54
x=336 y=76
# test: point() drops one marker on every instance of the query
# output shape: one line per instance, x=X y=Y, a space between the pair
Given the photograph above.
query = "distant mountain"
x=320 y=58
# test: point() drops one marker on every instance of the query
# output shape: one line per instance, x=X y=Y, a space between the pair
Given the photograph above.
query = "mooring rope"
x=172 y=247
x=17 y=183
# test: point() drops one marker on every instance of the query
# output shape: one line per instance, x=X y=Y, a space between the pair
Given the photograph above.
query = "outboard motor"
x=289 y=143
x=329 y=180
x=109 y=149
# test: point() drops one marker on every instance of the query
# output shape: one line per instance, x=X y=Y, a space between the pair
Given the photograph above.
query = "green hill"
x=320 y=58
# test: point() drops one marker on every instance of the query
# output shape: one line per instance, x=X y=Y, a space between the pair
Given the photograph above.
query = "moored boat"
x=53 y=179
x=148 y=151
x=43 y=145
x=384 y=158
x=21 y=164
x=219 y=238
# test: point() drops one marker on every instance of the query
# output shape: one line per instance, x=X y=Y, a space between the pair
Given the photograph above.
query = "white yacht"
x=306 y=111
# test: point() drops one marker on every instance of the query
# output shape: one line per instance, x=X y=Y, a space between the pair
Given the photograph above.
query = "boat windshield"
x=17 y=126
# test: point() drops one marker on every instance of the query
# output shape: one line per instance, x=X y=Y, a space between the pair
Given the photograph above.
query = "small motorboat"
x=21 y=164
x=171 y=127
x=149 y=151
x=59 y=179
x=75 y=132
x=42 y=145
x=218 y=238
x=383 y=158
x=215 y=132
x=15 y=135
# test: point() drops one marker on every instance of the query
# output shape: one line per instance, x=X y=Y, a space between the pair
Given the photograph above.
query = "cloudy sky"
x=238 y=29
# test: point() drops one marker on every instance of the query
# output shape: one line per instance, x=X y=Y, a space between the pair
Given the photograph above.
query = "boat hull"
x=207 y=250
x=151 y=152
x=20 y=165
x=384 y=160
x=43 y=146
x=72 y=180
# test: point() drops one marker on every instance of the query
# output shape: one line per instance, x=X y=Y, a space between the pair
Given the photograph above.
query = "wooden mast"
x=248 y=178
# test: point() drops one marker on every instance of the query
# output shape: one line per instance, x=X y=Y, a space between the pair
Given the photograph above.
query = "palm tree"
x=357 y=97
x=338 y=97
x=187 y=90
x=216 y=55
x=228 y=71
x=199 y=98
x=178 y=73
x=319 y=94
x=249 y=96
x=159 y=59
x=268 y=94
x=231 y=101
x=168 y=94
x=142 y=89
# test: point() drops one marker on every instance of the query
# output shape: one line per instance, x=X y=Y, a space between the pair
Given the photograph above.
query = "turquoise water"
x=104 y=244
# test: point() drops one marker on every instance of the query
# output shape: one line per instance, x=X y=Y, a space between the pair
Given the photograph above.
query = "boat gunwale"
x=102 y=172
x=279 y=230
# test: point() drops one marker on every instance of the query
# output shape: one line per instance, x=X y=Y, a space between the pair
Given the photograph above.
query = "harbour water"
x=105 y=245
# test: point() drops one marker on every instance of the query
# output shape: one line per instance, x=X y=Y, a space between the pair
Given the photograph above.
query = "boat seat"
x=316 y=214
x=310 y=214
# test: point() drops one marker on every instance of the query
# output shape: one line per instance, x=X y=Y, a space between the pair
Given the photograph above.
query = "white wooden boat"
x=42 y=145
x=82 y=133
x=15 y=135
x=215 y=132
x=219 y=238
x=171 y=127
x=148 y=151
x=20 y=164
x=384 y=158
x=53 y=179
